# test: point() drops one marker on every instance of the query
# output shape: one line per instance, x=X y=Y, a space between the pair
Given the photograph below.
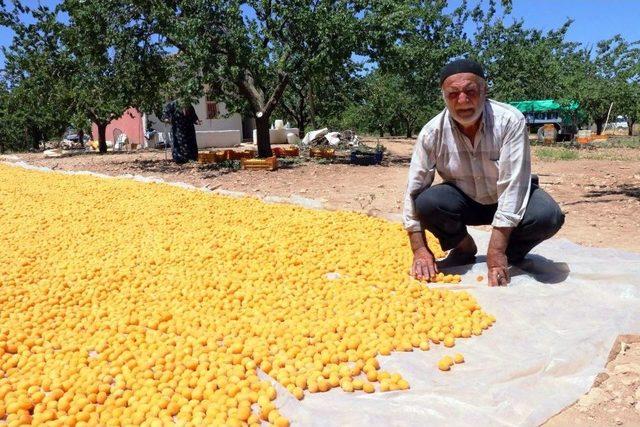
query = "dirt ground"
x=599 y=191
x=614 y=399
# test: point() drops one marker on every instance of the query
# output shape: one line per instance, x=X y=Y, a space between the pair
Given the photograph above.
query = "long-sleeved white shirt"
x=495 y=169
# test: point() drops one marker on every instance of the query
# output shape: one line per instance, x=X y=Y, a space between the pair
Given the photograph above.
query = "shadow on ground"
x=540 y=268
x=162 y=166
x=627 y=190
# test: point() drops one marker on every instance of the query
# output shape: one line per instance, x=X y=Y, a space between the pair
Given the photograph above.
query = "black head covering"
x=461 y=66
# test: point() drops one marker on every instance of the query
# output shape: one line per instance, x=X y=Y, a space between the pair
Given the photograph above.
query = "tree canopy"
x=248 y=53
x=369 y=65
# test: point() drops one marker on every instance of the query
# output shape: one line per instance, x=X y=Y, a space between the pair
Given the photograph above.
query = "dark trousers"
x=446 y=211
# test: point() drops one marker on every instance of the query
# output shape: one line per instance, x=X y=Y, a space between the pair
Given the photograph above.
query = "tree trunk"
x=37 y=137
x=262 y=131
x=599 y=124
x=312 y=108
x=102 y=137
x=630 y=123
x=409 y=129
x=381 y=131
x=301 y=124
x=81 y=137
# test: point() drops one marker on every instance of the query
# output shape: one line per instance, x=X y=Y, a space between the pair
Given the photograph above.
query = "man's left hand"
x=498 y=268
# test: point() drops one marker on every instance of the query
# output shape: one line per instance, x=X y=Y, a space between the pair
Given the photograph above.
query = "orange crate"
x=246 y=154
x=239 y=155
x=233 y=155
x=219 y=156
x=325 y=153
x=224 y=154
x=206 y=157
x=270 y=163
x=290 y=152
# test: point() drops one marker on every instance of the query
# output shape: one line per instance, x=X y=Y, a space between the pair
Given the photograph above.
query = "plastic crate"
x=270 y=163
x=366 y=159
x=325 y=153
x=206 y=157
x=290 y=152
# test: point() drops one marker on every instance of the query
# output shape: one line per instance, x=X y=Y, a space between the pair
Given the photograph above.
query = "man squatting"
x=480 y=149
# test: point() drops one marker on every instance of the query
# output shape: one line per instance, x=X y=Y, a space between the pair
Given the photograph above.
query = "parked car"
x=620 y=122
x=72 y=136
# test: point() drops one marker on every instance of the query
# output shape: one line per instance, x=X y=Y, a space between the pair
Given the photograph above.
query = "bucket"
x=293 y=139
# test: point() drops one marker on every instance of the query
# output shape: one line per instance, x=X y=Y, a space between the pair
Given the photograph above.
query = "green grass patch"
x=556 y=153
x=622 y=142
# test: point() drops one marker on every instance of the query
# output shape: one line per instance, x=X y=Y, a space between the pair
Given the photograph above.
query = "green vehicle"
x=564 y=115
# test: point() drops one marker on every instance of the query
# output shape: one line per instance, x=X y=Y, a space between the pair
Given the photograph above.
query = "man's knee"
x=554 y=220
x=547 y=220
x=434 y=203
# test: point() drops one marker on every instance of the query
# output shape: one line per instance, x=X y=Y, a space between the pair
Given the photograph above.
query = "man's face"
x=464 y=95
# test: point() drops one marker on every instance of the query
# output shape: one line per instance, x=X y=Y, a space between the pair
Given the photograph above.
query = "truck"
x=563 y=115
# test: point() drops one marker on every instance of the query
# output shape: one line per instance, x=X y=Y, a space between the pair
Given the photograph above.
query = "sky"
x=594 y=20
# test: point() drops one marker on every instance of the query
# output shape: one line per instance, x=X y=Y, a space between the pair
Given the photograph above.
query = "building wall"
x=130 y=123
x=233 y=122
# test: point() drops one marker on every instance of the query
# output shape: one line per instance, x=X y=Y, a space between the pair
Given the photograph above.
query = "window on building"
x=212 y=108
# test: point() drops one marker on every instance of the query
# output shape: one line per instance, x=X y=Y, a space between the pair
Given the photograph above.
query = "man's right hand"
x=424 y=264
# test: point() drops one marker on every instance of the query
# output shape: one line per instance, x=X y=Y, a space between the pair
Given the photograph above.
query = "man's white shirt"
x=495 y=169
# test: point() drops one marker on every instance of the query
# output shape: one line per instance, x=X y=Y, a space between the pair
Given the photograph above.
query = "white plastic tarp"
x=556 y=323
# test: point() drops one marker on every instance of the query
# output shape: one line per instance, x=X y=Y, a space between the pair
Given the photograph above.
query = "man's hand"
x=498 y=268
x=424 y=264
x=496 y=257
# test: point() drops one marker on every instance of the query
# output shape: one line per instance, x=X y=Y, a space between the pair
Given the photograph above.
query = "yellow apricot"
x=368 y=387
x=244 y=412
x=346 y=385
x=458 y=358
x=444 y=364
x=122 y=337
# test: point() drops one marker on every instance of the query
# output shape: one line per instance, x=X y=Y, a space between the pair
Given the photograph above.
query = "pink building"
x=131 y=124
x=217 y=128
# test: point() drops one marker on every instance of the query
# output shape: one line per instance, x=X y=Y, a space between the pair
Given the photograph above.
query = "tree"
x=248 y=52
x=320 y=97
x=9 y=16
x=630 y=104
x=95 y=66
x=388 y=106
x=597 y=78
x=624 y=63
x=35 y=89
x=111 y=62
x=520 y=63
x=411 y=41
x=6 y=124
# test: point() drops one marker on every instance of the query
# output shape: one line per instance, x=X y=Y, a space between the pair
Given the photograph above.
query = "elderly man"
x=480 y=148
